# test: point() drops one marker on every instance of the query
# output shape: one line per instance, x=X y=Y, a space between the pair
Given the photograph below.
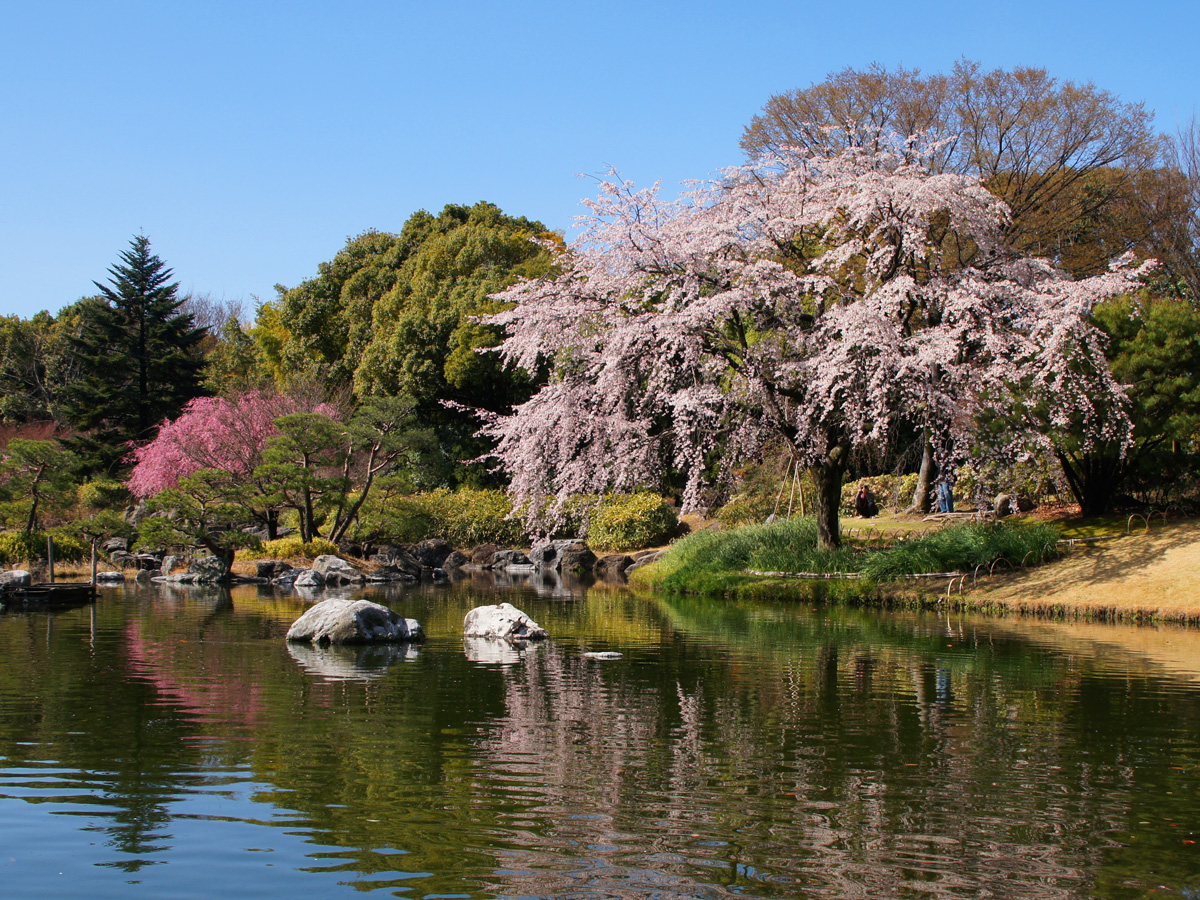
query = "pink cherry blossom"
x=213 y=433
x=820 y=301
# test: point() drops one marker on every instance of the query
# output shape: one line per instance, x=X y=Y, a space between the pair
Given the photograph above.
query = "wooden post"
x=93 y=564
x=50 y=557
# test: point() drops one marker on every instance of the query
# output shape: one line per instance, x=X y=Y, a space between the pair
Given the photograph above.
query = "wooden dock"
x=55 y=595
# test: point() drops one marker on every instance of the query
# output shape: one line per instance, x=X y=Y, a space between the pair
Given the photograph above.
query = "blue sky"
x=248 y=140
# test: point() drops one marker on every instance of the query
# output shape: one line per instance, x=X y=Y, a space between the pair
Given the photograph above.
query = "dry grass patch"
x=1152 y=575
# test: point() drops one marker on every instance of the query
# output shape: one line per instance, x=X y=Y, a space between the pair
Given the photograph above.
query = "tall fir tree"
x=137 y=360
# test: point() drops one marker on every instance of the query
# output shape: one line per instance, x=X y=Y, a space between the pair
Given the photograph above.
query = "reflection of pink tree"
x=183 y=672
x=213 y=433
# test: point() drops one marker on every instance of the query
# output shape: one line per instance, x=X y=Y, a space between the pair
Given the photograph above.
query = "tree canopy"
x=1079 y=168
x=818 y=299
x=136 y=359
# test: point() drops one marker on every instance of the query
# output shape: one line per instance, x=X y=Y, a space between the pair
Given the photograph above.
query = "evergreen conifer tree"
x=136 y=359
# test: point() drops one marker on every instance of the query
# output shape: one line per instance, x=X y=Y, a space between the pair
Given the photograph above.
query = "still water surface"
x=167 y=743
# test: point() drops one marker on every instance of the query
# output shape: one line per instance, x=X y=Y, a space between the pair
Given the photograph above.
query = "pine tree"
x=136 y=358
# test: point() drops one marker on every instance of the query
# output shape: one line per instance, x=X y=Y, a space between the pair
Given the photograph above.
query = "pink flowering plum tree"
x=818 y=300
x=223 y=435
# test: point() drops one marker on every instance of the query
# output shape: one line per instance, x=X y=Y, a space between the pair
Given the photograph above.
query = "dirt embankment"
x=1151 y=576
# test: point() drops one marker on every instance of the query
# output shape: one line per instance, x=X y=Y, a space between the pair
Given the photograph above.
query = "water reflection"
x=497 y=651
x=754 y=750
x=353 y=663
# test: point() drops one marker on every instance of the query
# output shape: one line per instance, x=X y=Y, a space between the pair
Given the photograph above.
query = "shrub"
x=293 y=547
x=631 y=521
x=709 y=561
x=465 y=518
x=104 y=495
x=21 y=546
x=471 y=517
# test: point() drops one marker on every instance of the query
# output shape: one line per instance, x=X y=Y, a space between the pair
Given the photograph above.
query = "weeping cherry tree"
x=818 y=300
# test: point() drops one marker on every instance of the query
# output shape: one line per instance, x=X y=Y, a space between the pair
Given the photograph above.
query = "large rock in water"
x=502 y=621
x=344 y=621
x=645 y=558
x=576 y=558
x=304 y=578
x=613 y=566
x=267 y=568
x=209 y=570
x=506 y=559
x=456 y=560
x=432 y=552
x=336 y=570
x=482 y=555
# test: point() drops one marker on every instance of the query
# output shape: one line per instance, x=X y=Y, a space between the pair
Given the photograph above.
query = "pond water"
x=167 y=743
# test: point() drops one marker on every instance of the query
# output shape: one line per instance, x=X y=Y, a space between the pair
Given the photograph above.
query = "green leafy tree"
x=329 y=317
x=26 y=381
x=383 y=437
x=426 y=331
x=396 y=315
x=35 y=475
x=305 y=465
x=1155 y=350
x=135 y=356
x=203 y=510
x=236 y=365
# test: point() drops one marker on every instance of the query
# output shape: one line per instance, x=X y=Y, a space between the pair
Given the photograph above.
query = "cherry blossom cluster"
x=820 y=300
x=213 y=433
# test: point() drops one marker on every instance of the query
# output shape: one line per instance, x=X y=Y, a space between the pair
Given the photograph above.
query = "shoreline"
x=1144 y=578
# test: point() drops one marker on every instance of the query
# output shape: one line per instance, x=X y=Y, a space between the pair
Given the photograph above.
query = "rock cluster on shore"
x=428 y=560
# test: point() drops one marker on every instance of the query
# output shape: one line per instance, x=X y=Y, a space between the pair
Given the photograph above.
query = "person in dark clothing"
x=865 y=504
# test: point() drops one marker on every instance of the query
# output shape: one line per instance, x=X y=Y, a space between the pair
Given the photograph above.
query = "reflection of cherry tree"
x=821 y=301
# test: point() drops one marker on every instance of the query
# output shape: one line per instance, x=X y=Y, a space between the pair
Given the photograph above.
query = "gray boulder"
x=15 y=578
x=482 y=555
x=432 y=552
x=612 y=567
x=548 y=555
x=505 y=559
x=121 y=558
x=576 y=558
x=168 y=564
x=399 y=559
x=503 y=620
x=644 y=559
x=456 y=560
x=268 y=568
x=115 y=545
x=287 y=577
x=307 y=578
x=392 y=575
x=1005 y=505
x=110 y=577
x=336 y=570
x=345 y=621
x=209 y=570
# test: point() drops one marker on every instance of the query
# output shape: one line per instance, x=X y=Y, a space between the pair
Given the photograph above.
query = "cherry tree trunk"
x=827 y=481
x=921 y=502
